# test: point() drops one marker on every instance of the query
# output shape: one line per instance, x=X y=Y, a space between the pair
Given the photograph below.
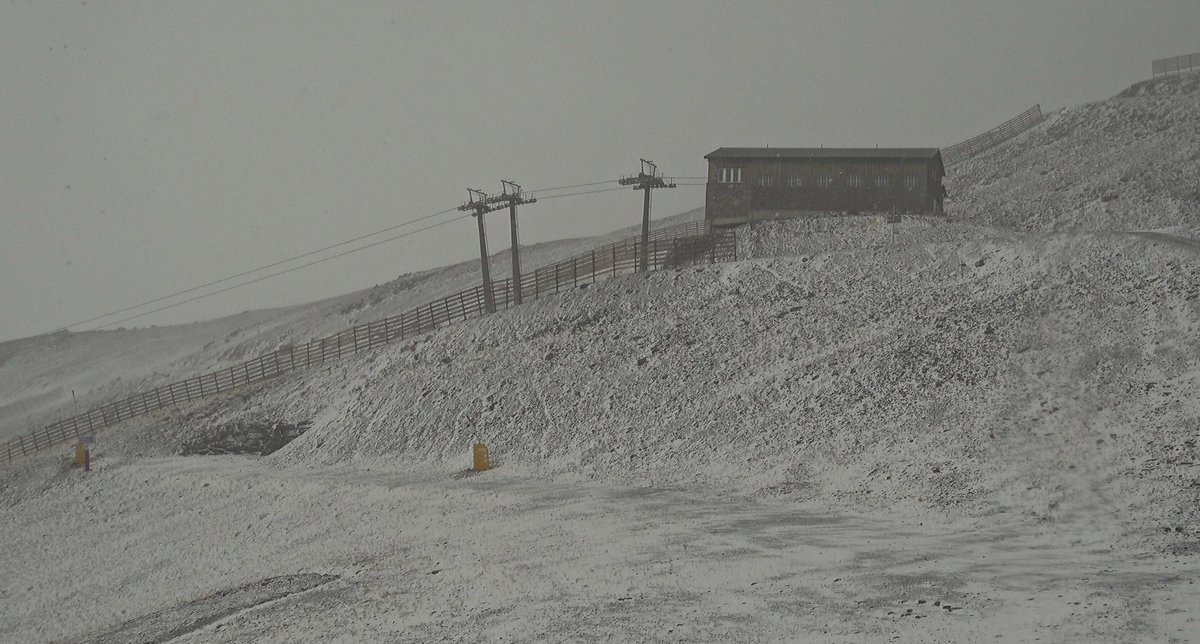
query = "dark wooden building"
x=757 y=184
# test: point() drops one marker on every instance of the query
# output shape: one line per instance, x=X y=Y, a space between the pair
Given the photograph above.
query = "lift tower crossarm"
x=479 y=204
x=646 y=179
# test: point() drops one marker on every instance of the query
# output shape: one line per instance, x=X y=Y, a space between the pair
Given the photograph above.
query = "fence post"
x=556 y=278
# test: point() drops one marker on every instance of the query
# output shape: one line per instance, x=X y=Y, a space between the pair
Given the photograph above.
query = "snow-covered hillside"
x=824 y=443
x=1009 y=372
x=37 y=375
x=966 y=430
x=1129 y=162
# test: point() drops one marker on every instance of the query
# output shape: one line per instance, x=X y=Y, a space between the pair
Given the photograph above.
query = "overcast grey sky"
x=152 y=146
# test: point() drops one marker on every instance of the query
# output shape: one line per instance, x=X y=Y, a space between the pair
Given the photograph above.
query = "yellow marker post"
x=480 y=452
x=79 y=450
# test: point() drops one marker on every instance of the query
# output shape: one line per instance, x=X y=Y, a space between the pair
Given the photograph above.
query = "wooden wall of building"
x=785 y=188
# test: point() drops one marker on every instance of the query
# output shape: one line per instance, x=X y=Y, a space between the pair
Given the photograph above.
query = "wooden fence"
x=670 y=247
x=993 y=137
x=1177 y=64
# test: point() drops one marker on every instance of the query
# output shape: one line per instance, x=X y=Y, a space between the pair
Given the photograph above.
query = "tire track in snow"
x=174 y=623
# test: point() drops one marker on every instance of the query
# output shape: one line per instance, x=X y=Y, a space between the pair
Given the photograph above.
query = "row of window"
x=734 y=175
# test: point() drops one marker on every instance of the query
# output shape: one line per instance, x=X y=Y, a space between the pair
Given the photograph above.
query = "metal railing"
x=670 y=247
x=1177 y=64
x=994 y=136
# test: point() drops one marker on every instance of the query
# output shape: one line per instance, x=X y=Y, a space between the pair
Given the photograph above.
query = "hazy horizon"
x=151 y=147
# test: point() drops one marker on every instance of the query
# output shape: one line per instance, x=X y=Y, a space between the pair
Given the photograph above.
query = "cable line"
x=278 y=273
x=307 y=264
x=578 y=185
x=585 y=192
x=254 y=270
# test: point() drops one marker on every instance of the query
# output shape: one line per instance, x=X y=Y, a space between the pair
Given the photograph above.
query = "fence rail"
x=994 y=136
x=670 y=247
x=1177 y=64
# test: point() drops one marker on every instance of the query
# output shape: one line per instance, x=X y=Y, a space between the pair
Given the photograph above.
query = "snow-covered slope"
x=1129 y=162
x=960 y=417
x=37 y=375
x=1048 y=375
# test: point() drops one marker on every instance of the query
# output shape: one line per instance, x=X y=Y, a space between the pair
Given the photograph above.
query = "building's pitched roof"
x=823 y=153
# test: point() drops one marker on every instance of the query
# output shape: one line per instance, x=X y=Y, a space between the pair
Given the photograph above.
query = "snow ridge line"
x=671 y=247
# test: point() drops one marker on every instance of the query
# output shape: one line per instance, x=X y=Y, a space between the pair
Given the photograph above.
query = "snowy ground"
x=795 y=446
x=426 y=555
x=971 y=430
